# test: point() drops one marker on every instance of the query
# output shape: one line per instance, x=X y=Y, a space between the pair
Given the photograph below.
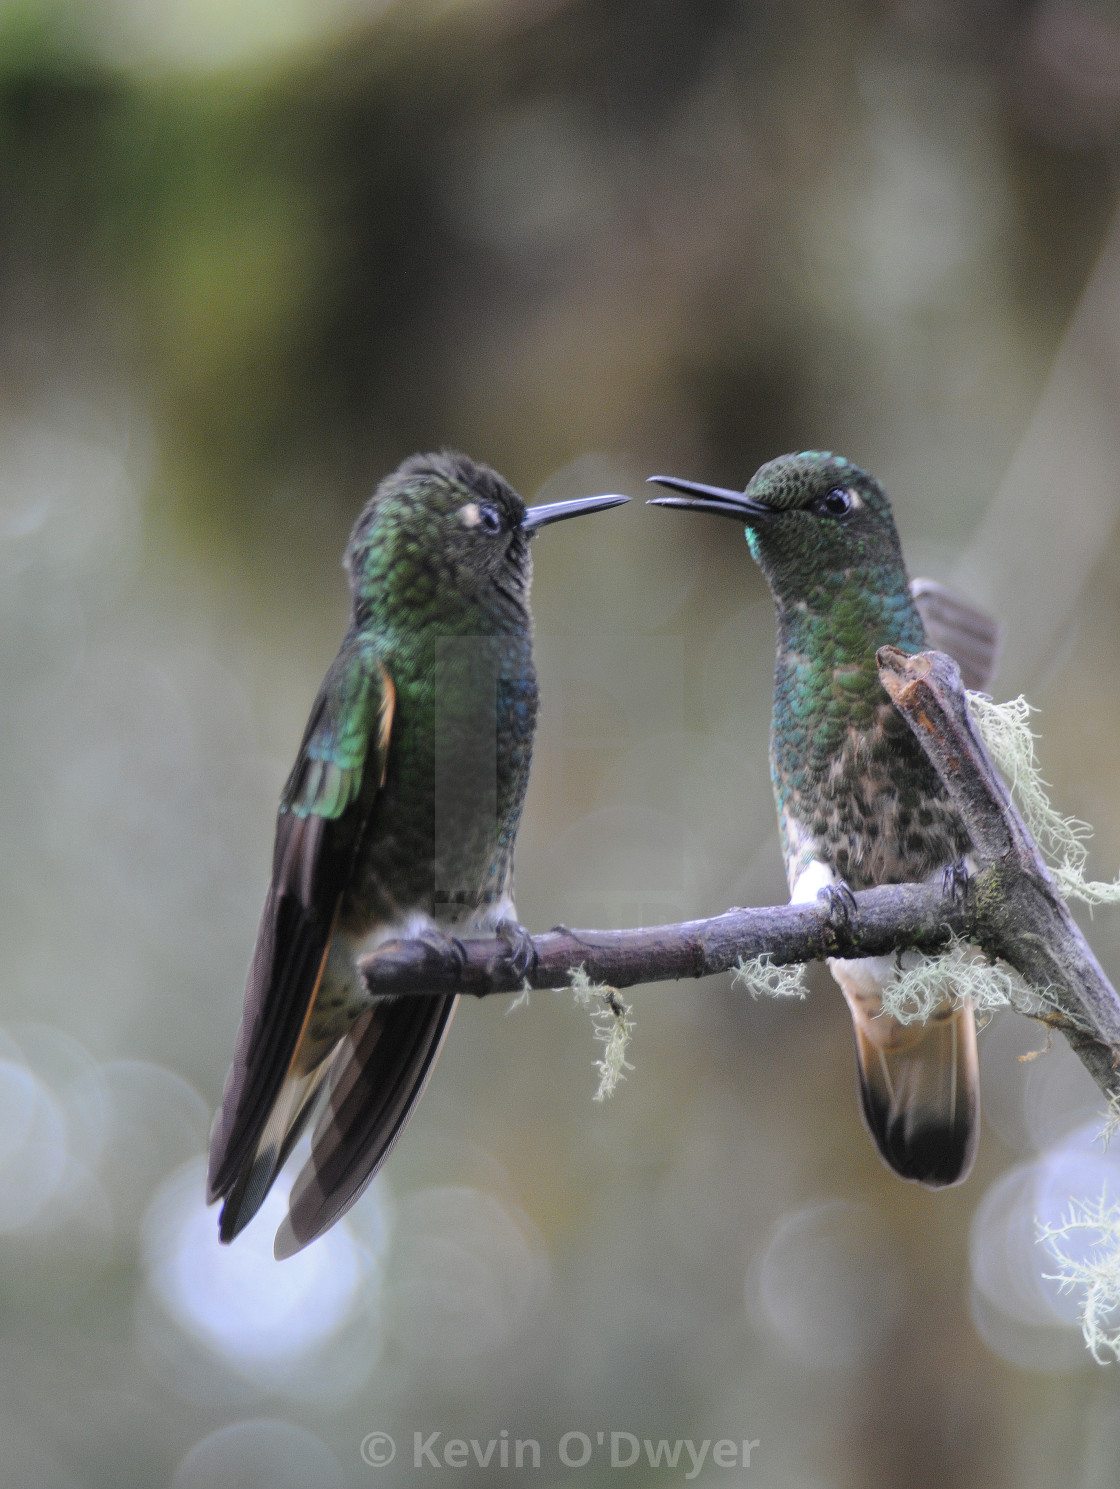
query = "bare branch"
x=917 y=915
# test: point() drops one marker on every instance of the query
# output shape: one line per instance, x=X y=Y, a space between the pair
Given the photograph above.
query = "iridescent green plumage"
x=858 y=802
x=399 y=818
x=852 y=785
x=327 y=777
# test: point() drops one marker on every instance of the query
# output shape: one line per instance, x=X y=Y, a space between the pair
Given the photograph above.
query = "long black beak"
x=557 y=511
x=710 y=499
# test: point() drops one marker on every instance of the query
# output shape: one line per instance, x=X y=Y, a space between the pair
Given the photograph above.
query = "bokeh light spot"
x=467 y=1274
x=260 y=1454
x=828 y=1283
x=238 y=1300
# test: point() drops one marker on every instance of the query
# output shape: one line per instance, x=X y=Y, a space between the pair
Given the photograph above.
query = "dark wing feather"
x=378 y=1075
x=328 y=797
x=970 y=636
x=291 y=943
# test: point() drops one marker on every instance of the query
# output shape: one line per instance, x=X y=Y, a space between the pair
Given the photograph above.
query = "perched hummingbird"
x=397 y=820
x=858 y=802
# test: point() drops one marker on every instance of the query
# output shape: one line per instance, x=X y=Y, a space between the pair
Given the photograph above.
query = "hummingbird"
x=397 y=821
x=858 y=802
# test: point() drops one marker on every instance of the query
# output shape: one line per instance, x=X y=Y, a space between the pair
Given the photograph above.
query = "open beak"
x=710 y=499
x=557 y=511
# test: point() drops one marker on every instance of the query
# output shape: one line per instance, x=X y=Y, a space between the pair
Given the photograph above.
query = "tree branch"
x=915 y=915
x=1016 y=910
x=1011 y=908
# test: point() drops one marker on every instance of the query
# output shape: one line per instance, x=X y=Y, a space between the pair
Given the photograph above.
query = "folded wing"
x=324 y=807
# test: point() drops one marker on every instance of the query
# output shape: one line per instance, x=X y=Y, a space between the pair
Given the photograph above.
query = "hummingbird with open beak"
x=858 y=801
x=398 y=820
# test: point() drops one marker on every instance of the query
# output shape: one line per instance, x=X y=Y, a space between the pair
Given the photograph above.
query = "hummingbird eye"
x=835 y=503
x=489 y=518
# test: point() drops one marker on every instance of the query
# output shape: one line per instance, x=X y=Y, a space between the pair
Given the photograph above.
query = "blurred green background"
x=252 y=255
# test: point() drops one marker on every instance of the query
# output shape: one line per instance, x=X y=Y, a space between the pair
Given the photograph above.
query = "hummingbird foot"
x=954 y=881
x=446 y=946
x=522 y=952
x=841 y=901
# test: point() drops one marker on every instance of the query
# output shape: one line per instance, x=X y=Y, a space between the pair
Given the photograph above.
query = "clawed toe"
x=522 y=952
x=841 y=901
x=954 y=881
x=449 y=946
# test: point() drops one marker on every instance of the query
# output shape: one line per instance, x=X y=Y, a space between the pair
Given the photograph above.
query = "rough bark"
x=1015 y=909
x=1011 y=908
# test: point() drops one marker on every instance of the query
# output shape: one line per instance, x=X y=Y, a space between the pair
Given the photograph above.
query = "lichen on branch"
x=613 y=1025
x=923 y=984
x=1009 y=739
x=762 y=977
x=1096 y=1271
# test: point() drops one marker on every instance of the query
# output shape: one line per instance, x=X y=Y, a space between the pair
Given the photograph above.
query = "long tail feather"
x=282 y=1131
x=919 y=1084
x=377 y=1077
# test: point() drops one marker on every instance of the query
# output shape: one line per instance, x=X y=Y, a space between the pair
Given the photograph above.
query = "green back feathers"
x=350 y=720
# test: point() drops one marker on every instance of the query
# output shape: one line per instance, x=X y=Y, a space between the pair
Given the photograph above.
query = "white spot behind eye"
x=469 y=515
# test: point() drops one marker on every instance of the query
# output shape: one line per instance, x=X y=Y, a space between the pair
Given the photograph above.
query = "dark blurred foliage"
x=321 y=266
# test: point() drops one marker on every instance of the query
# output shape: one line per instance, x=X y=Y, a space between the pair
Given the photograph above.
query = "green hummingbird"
x=397 y=820
x=858 y=802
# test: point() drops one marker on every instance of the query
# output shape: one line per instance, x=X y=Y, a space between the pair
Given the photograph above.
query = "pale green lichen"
x=1006 y=732
x=923 y=984
x=522 y=999
x=610 y=1018
x=1111 y=1120
x=764 y=978
x=1097 y=1273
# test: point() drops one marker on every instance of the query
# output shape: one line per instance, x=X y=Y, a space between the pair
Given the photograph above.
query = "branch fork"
x=1011 y=908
